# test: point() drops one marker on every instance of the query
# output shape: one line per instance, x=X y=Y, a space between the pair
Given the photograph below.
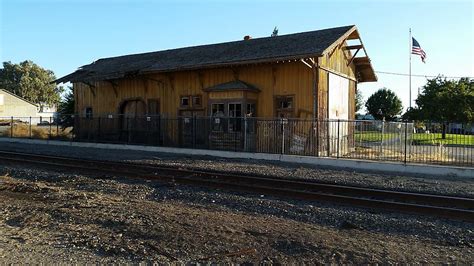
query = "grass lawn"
x=435 y=138
x=373 y=136
x=418 y=138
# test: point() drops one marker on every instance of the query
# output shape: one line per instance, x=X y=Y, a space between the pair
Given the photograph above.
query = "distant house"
x=47 y=112
x=12 y=105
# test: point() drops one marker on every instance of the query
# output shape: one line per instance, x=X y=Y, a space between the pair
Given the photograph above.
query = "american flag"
x=416 y=49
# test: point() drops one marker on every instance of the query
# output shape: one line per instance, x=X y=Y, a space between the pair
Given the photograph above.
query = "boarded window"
x=197 y=101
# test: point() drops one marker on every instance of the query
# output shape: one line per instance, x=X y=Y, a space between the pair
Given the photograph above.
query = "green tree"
x=359 y=101
x=413 y=113
x=445 y=100
x=66 y=105
x=66 y=109
x=30 y=81
x=384 y=103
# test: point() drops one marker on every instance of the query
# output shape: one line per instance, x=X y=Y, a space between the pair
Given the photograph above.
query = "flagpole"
x=409 y=70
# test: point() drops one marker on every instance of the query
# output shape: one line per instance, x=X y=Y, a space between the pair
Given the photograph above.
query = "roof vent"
x=247 y=37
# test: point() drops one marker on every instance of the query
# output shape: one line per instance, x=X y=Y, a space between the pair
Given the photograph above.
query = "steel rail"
x=459 y=208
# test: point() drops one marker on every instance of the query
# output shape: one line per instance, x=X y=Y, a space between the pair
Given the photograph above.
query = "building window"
x=184 y=101
x=197 y=101
x=284 y=106
x=235 y=117
x=251 y=110
x=285 y=103
x=89 y=112
x=191 y=101
x=217 y=109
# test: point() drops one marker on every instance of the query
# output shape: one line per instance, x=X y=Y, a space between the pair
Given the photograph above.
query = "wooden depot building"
x=308 y=75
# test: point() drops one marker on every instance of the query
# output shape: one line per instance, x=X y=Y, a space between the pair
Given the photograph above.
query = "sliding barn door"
x=338 y=112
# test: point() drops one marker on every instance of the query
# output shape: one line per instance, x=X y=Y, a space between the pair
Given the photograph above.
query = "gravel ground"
x=438 y=185
x=52 y=217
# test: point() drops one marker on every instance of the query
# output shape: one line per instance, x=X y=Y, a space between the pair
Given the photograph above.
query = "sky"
x=64 y=35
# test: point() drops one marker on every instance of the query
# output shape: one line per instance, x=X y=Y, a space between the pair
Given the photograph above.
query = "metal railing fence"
x=408 y=142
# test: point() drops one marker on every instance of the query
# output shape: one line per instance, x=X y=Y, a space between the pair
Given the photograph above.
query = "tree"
x=384 y=103
x=359 y=101
x=66 y=109
x=66 y=105
x=275 y=32
x=413 y=114
x=30 y=81
x=445 y=100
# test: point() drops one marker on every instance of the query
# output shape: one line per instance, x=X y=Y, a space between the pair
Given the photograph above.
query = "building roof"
x=16 y=96
x=258 y=50
x=233 y=85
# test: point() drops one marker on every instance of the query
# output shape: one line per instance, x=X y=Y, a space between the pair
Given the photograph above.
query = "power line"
x=415 y=75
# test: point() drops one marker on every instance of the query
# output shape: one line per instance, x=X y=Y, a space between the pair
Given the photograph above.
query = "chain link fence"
x=408 y=142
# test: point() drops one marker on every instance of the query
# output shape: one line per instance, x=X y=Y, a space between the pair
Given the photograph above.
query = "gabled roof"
x=233 y=85
x=16 y=96
x=258 y=50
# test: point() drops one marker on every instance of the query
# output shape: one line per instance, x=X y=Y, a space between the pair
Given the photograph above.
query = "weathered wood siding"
x=273 y=80
x=290 y=78
x=337 y=61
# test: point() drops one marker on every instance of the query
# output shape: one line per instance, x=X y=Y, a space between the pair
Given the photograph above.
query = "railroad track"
x=457 y=208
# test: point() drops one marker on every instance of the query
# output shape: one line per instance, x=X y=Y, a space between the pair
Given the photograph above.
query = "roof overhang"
x=363 y=66
x=131 y=66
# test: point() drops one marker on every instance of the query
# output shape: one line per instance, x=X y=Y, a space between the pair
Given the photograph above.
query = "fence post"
x=194 y=131
x=11 y=128
x=98 y=129
x=338 y=138
x=245 y=133
x=328 y=136
x=30 y=128
x=317 y=137
x=383 y=133
x=283 y=136
x=235 y=133
x=128 y=129
x=406 y=136
x=50 y=128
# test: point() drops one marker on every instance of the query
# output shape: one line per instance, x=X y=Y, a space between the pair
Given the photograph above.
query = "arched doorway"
x=132 y=120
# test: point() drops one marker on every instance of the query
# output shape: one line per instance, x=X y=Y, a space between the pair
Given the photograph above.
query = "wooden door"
x=153 y=123
x=133 y=121
x=193 y=128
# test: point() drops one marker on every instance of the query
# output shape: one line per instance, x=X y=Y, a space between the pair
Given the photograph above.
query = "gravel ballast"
x=54 y=217
x=446 y=185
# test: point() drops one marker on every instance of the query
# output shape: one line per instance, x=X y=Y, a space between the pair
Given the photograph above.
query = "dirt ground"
x=50 y=217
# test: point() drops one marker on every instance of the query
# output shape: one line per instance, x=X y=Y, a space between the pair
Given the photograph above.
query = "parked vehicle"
x=43 y=123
